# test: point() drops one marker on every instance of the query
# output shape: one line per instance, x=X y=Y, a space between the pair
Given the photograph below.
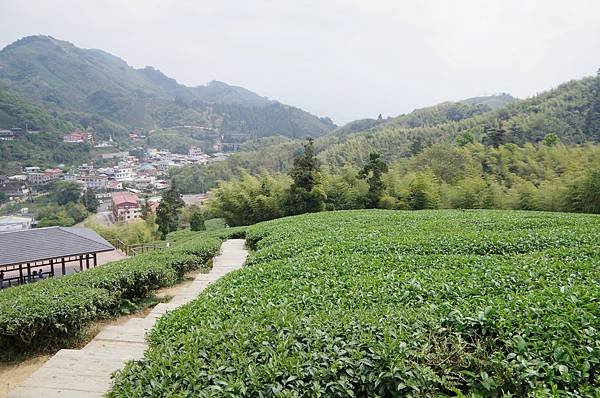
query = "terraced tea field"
x=388 y=303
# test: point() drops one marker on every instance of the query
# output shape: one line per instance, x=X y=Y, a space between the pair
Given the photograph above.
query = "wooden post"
x=80 y=263
x=87 y=261
x=95 y=259
x=21 y=279
x=64 y=267
x=28 y=272
x=51 y=267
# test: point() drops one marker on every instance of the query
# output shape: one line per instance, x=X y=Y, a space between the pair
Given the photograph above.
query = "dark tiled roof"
x=45 y=243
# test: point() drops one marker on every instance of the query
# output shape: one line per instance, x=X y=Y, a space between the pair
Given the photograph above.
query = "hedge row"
x=50 y=312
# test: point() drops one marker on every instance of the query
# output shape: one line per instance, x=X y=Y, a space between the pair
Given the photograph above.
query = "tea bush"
x=50 y=312
x=386 y=304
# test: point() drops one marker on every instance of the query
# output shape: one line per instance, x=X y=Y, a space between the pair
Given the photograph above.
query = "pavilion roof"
x=39 y=244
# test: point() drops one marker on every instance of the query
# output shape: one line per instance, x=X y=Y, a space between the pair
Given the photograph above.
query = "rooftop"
x=124 y=197
x=46 y=243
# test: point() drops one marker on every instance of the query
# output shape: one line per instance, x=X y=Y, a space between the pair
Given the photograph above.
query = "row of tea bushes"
x=52 y=312
x=387 y=304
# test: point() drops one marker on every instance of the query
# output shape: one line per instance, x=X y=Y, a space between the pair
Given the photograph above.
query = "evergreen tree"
x=167 y=213
x=372 y=172
x=592 y=124
x=416 y=146
x=495 y=136
x=90 y=201
x=197 y=222
x=166 y=219
x=305 y=194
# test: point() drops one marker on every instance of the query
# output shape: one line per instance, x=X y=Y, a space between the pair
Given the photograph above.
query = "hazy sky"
x=343 y=59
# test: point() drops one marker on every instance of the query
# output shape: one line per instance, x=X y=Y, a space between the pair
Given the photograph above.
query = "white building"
x=122 y=174
x=15 y=223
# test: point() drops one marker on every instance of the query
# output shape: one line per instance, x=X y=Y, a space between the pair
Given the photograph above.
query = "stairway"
x=87 y=372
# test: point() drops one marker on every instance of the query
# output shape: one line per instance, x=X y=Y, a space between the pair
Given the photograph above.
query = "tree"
x=90 y=201
x=373 y=172
x=592 y=123
x=495 y=136
x=465 y=138
x=422 y=193
x=305 y=195
x=167 y=213
x=173 y=196
x=416 y=146
x=583 y=194
x=551 y=139
x=65 y=192
x=166 y=219
x=197 y=221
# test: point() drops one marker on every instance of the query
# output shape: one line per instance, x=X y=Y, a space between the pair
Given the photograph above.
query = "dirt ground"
x=13 y=374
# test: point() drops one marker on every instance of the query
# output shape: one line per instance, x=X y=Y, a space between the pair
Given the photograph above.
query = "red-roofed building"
x=125 y=206
x=78 y=136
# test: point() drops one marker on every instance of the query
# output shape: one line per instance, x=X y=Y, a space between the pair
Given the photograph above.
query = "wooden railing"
x=133 y=250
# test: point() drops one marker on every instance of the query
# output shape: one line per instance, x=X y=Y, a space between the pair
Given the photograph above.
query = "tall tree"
x=167 y=213
x=372 y=172
x=495 y=136
x=305 y=195
x=64 y=192
x=90 y=201
x=166 y=219
x=592 y=124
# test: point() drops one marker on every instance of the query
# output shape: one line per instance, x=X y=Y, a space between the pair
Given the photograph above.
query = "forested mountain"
x=570 y=112
x=43 y=145
x=92 y=87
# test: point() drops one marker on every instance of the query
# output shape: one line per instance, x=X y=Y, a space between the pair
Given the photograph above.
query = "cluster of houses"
x=13 y=133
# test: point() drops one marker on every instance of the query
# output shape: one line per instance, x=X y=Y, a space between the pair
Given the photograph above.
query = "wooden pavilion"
x=26 y=256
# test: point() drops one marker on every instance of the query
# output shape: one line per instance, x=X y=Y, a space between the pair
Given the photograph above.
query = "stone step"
x=46 y=392
x=108 y=348
x=122 y=333
x=86 y=373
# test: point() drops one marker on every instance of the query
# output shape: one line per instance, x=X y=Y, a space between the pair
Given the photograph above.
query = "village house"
x=79 y=136
x=42 y=178
x=125 y=206
x=13 y=188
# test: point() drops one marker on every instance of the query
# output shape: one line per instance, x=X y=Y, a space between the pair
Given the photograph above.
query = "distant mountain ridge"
x=89 y=86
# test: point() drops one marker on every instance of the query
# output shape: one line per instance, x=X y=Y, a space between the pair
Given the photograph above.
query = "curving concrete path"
x=87 y=372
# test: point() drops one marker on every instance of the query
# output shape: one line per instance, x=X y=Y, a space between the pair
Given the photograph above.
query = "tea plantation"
x=55 y=312
x=388 y=303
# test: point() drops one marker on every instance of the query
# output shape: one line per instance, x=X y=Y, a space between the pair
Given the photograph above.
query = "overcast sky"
x=343 y=59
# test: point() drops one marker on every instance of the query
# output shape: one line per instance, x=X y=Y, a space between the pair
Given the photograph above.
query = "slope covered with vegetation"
x=542 y=177
x=92 y=87
x=45 y=146
x=571 y=112
x=387 y=303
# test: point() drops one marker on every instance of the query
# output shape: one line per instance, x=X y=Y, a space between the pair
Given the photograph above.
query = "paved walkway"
x=86 y=373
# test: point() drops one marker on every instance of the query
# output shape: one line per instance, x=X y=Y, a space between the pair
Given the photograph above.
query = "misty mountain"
x=93 y=87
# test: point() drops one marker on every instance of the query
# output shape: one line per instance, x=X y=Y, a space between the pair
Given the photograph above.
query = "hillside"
x=92 y=87
x=386 y=304
x=44 y=145
x=570 y=111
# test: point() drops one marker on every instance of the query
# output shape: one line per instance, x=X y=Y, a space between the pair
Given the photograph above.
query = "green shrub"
x=53 y=311
x=391 y=303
